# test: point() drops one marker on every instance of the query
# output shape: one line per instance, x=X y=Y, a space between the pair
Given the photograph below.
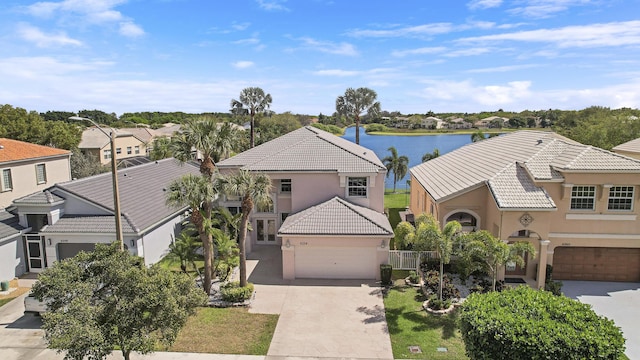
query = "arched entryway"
x=469 y=219
x=513 y=269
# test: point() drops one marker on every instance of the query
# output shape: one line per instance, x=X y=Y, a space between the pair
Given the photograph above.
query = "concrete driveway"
x=615 y=300
x=319 y=318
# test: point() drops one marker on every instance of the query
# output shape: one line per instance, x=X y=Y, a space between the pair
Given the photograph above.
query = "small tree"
x=493 y=253
x=432 y=155
x=396 y=164
x=107 y=298
x=184 y=249
x=524 y=323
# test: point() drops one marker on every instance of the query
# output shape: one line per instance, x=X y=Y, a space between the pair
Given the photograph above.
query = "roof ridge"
x=310 y=211
x=268 y=155
x=326 y=139
x=573 y=161
x=355 y=209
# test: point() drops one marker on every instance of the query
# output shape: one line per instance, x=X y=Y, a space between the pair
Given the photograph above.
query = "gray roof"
x=143 y=133
x=307 y=149
x=336 y=217
x=142 y=191
x=87 y=224
x=545 y=156
x=9 y=226
x=630 y=146
x=93 y=138
x=39 y=198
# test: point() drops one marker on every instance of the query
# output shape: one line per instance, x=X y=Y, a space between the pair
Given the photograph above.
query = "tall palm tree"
x=252 y=188
x=432 y=155
x=197 y=192
x=356 y=102
x=252 y=101
x=396 y=164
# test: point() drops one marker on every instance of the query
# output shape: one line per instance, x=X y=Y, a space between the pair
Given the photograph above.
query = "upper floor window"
x=621 y=198
x=137 y=149
x=357 y=187
x=107 y=154
x=7 y=180
x=583 y=197
x=41 y=173
x=118 y=151
x=128 y=150
x=285 y=185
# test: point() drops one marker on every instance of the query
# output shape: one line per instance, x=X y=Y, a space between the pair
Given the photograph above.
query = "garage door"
x=600 y=264
x=68 y=250
x=335 y=263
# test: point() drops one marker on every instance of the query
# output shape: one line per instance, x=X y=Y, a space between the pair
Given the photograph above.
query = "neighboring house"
x=98 y=144
x=27 y=168
x=328 y=202
x=73 y=216
x=432 y=122
x=491 y=121
x=574 y=203
x=11 y=247
x=144 y=134
x=458 y=123
x=630 y=148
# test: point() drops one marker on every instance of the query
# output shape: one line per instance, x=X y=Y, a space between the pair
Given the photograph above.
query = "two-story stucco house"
x=96 y=143
x=75 y=215
x=575 y=203
x=328 y=202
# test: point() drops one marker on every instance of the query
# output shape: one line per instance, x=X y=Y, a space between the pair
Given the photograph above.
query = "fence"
x=409 y=260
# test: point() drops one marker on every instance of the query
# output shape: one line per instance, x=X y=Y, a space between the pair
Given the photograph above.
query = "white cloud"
x=130 y=29
x=594 y=35
x=243 y=64
x=546 y=8
x=272 y=5
x=469 y=52
x=328 y=47
x=34 y=35
x=467 y=91
x=483 y=4
x=407 y=31
x=337 y=72
x=502 y=68
x=419 y=51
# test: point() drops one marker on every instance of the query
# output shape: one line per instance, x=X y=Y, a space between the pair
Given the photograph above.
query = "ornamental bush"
x=232 y=292
x=523 y=323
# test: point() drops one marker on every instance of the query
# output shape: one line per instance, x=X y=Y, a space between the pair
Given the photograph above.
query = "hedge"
x=524 y=323
x=232 y=292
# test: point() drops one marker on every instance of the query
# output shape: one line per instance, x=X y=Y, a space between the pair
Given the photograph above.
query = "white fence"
x=409 y=260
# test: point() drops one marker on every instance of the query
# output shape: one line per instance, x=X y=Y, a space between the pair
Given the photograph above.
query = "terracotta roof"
x=307 y=149
x=336 y=217
x=15 y=150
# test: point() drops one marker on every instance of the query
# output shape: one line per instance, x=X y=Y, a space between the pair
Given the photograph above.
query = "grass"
x=394 y=203
x=174 y=265
x=226 y=331
x=14 y=294
x=410 y=325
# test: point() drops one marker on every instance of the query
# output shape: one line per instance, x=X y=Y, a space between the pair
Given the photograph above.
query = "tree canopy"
x=356 y=102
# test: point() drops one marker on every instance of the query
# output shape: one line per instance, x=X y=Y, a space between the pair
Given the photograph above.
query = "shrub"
x=385 y=274
x=437 y=304
x=232 y=292
x=432 y=283
x=376 y=128
x=555 y=287
x=523 y=323
x=413 y=277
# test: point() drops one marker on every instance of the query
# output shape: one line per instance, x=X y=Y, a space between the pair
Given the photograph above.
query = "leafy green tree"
x=432 y=155
x=228 y=222
x=477 y=135
x=197 y=192
x=17 y=123
x=252 y=188
x=493 y=253
x=356 y=102
x=99 y=116
x=252 y=101
x=396 y=164
x=62 y=135
x=274 y=126
x=400 y=238
x=524 y=323
x=57 y=116
x=161 y=149
x=228 y=254
x=107 y=298
x=84 y=165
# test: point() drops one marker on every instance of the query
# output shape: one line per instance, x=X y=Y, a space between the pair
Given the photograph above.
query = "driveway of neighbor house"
x=617 y=301
x=319 y=318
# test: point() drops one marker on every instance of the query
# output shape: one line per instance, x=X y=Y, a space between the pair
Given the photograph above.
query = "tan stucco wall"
x=122 y=142
x=24 y=177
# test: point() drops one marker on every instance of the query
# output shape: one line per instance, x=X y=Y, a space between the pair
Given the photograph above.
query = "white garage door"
x=335 y=262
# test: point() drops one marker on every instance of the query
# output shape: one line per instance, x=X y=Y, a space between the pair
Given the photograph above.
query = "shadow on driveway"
x=27 y=322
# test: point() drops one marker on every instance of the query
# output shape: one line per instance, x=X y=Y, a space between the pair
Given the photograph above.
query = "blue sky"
x=418 y=55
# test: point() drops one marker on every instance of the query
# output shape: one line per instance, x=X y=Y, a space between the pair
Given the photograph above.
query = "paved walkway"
x=617 y=301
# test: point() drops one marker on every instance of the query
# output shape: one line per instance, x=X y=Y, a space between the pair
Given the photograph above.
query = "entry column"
x=542 y=263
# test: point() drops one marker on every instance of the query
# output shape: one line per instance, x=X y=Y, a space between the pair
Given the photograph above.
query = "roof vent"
x=539 y=141
x=1 y=147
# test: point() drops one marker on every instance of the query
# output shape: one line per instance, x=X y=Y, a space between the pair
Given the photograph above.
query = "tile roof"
x=9 y=226
x=545 y=155
x=93 y=138
x=15 y=150
x=142 y=190
x=143 y=133
x=307 y=149
x=336 y=217
x=39 y=198
x=87 y=224
x=629 y=146
x=512 y=188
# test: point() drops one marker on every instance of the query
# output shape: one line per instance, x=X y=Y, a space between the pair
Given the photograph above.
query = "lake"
x=413 y=147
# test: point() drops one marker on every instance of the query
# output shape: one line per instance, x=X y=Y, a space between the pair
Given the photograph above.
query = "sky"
x=418 y=55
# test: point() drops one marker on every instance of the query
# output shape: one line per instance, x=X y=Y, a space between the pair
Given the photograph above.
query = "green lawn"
x=410 y=325
x=4 y=301
x=394 y=203
x=174 y=265
x=226 y=331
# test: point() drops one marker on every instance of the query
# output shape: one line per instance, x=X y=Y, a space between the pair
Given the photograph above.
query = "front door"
x=511 y=268
x=266 y=231
x=35 y=253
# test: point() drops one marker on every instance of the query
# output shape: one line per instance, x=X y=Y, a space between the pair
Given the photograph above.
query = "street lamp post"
x=114 y=177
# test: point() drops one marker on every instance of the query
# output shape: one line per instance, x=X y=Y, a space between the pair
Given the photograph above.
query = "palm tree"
x=396 y=164
x=477 y=135
x=252 y=101
x=356 y=102
x=161 y=149
x=228 y=222
x=197 y=192
x=432 y=155
x=494 y=253
x=252 y=188
x=184 y=249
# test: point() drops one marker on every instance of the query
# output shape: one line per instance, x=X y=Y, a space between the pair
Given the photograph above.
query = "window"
x=283 y=217
x=107 y=154
x=118 y=151
x=7 y=181
x=583 y=198
x=266 y=230
x=285 y=185
x=234 y=210
x=137 y=149
x=41 y=173
x=621 y=198
x=357 y=187
x=128 y=150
